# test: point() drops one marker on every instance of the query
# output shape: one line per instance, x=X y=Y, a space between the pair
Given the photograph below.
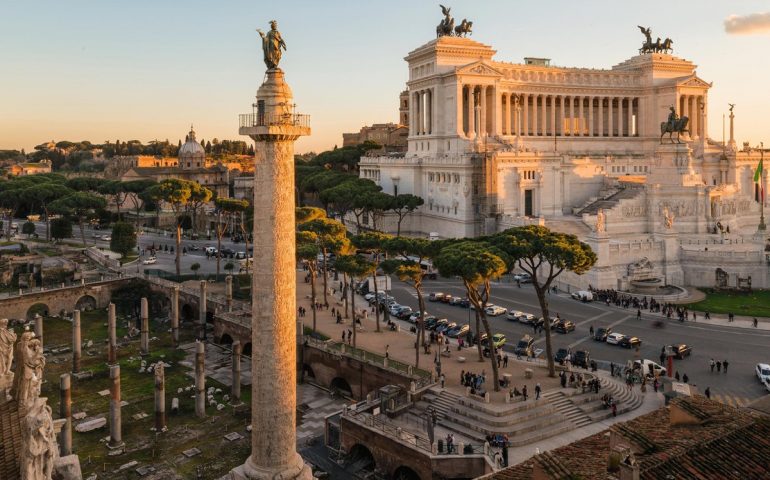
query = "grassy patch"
x=754 y=304
x=185 y=430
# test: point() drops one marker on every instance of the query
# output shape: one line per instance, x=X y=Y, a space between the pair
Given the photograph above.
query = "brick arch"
x=85 y=303
x=39 y=308
x=226 y=339
x=361 y=455
x=405 y=473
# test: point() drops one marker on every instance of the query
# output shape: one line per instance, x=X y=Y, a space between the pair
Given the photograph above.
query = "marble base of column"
x=160 y=399
x=298 y=470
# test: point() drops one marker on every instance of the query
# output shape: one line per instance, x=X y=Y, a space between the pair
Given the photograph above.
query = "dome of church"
x=191 y=148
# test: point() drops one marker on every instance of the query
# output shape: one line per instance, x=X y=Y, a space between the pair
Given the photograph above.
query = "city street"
x=742 y=347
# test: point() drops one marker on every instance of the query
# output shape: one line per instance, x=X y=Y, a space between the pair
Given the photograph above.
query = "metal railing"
x=273 y=119
x=107 y=278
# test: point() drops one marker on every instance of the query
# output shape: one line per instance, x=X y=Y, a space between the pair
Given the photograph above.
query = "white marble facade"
x=496 y=144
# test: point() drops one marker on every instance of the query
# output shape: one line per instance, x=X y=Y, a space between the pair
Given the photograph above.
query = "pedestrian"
x=707 y=315
x=462 y=377
x=524 y=392
x=694 y=317
x=612 y=369
x=450 y=440
x=719 y=366
x=676 y=375
x=505 y=361
x=443 y=379
x=685 y=378
x=755 y=322
x=499 y=360
x=638 y=314
x=707 y=392
x=591 y=331
x=350 y=335
x=387 y=353
x=614 y=409
x=537 y=391
x=343 y=336
x=563 y=379
x=712 y=364
x=724 y=364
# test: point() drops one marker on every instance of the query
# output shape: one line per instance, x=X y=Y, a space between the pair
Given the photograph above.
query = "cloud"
x=755 y=23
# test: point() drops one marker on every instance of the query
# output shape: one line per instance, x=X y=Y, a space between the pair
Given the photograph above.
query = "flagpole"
x=762 y=226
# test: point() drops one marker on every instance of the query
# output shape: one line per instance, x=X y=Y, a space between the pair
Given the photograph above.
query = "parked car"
x=211 y=250
x=581 y=358
x=455 y=301
x=522 y=278
x=227 y=252
x=527 y=318
x=435 y=296
x=615 y=338
x=763 y=372
x=458 y=331
x=495 y=310
x=446 y=327
x=583 y=296
x=394 y=308
x=498 y=340
x=445 y=299
x=429 y=321
x=561 y=356
x=438 y=324
x=465 y=303
x=564 y=326
x=681 y=350
x=193 y=247
x=524 y=347
x=369 y=296
x=629 y=342
x=106 y=238
x=404 y=313
x=241 y=255
x=514 y=315
x=150 y=261
x=601 y=333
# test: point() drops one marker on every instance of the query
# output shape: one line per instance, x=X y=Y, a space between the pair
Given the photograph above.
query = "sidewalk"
x=401 y=346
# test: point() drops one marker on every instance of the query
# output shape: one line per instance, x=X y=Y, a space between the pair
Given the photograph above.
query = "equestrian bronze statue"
x=674 y=124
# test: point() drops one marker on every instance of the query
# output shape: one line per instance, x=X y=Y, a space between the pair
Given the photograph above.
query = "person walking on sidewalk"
x=719 y=366
x=724 y=364
x=524 y=392
x=443 y=379
x=387 y=354
x=755 y=322
x=712 y=364
x=591 y=331
x=707 y=392
x=537 y=391
x=505 y=361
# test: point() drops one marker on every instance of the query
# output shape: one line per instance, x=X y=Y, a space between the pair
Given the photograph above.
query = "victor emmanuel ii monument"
x=619 y=156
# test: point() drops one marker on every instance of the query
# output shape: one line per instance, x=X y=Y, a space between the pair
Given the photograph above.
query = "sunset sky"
x=101 y=70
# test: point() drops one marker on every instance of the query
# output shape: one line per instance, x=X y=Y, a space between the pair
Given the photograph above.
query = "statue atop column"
x=29 y=369
x=39 y=449
x=654 y=47
x=272 y=42
x=447 y=25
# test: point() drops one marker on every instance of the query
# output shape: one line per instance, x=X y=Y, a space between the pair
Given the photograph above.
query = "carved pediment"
x=479 y=68
x=694 y=81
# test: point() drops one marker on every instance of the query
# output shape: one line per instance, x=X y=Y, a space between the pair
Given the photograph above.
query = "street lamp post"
x=762 y=226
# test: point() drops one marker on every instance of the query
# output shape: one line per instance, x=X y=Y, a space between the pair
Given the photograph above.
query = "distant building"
x=243 y=188
x=391 y=136
x=23 y=169
x=191 y=166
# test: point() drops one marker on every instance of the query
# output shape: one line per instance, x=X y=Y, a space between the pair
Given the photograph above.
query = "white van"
x=648 y=366
x=583 y=296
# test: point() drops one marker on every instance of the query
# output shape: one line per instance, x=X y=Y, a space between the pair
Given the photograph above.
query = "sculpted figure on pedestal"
x=39 y=449
x=7 y=339
x=272 y=43
x=29 y=369
x=600 y=218
x=668 y=218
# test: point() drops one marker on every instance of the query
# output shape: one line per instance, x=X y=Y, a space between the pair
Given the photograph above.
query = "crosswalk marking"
x=731 y=400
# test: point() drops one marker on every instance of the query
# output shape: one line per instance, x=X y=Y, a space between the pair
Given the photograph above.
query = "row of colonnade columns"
x=693 y=107
x=528 y=114
x=421 y=115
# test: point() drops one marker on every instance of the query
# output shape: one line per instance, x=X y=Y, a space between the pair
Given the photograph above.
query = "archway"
x=226 y=339
x=342 y=386
x=188 y=313
x=360 y=461
x=37 y=309
x=307 y=371
x=247 y=349
x=405 y=473
x=85 y=303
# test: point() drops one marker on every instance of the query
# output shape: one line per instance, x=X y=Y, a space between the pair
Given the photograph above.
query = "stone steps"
x=502 y=422
x=568 y=407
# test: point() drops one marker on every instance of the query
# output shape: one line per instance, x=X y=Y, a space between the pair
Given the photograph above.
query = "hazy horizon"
x=147 y=70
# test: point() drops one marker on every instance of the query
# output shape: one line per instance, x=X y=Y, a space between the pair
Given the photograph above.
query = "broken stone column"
x=39 y=328
x=229 y=293
x=160 y=398
x=145 y=333
x=77 y=345
x=112 y=349
x=175 y=317
x=116 y=435
x=202 y=313
x=65 y=412
x=200 y=379
x=235 y=388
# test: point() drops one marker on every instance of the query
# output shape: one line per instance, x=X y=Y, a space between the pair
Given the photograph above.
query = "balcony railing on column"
x=273 y=119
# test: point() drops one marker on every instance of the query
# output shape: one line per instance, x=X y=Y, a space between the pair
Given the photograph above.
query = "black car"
x=446 y=327
x=561 y=355
x=681 y=350
x=581 y=358
x=439 y=323
x=630 y=342
x=227 y=253
x=524 y=347
x=564 y=326
x=601 y=334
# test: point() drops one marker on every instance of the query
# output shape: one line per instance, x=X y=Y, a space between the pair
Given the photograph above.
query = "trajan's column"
x=275 y=127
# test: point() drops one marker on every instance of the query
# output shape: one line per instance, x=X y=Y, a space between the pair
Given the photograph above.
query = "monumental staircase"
x=609 y=197
x=524 y=422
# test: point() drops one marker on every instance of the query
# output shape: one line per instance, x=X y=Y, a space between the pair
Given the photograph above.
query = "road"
x=743 y=348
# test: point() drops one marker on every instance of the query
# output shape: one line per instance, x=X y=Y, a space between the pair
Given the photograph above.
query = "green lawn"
x=754 y=304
